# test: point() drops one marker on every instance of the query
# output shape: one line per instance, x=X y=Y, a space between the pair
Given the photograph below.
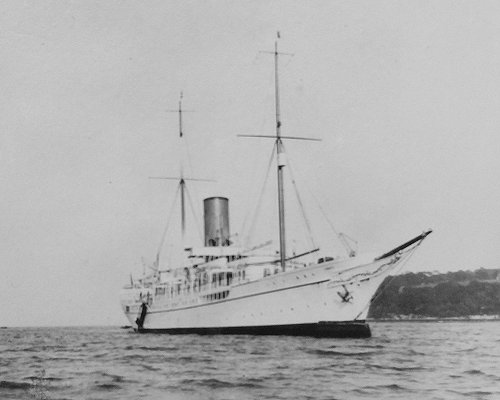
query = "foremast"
x=182 y=182
x=181 y=188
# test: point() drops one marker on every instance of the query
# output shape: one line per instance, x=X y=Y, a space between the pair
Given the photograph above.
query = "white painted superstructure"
x=221 y=288
x=233 y=294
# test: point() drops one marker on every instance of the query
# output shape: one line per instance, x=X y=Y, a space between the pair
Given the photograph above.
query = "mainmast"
x=280 y=152
x=281 y=162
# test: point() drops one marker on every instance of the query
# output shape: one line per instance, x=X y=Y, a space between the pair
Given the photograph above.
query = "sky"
x=404 y=95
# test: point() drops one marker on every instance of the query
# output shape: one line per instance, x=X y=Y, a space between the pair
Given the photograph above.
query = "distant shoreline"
x=451 y=296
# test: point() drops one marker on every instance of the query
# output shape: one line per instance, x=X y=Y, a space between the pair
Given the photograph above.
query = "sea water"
x=403 y=360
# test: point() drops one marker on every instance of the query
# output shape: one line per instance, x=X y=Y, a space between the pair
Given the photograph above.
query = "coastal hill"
x=461 y=294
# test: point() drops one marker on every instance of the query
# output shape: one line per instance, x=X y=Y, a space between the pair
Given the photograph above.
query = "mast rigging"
x=280 y=153
x=182 y=182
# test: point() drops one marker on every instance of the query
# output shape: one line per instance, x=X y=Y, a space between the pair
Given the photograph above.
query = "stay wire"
x=328 y=220
x=195 y=217
x=167 y=225
x=397 y=271
x=301 y=205
x=259 y=201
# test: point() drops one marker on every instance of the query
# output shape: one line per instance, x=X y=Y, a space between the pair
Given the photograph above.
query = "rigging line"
x=397 y=271
x=348 y=237
x=259 y=201
x=337 y=233
x=195 y=217
x=301 y=205
x=183 y=140
x=162 y=241
x=191 y=170
x=290 y=59
x=188 y=154
x=276 y=261
x=323 y=212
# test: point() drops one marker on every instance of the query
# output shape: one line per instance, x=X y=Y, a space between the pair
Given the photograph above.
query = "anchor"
x=346 y=296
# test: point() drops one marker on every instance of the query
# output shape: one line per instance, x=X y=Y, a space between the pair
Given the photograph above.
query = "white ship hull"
x=329 y=299
x=221 y=288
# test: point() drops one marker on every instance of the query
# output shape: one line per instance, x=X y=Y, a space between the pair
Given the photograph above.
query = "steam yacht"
x=222 y=288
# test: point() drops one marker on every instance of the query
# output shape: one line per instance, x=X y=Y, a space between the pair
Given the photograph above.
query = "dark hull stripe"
x=327 y=329
x=164 y=310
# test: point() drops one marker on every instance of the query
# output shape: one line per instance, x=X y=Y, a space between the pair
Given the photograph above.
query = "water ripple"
x=397 y=362
x=14 y=385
